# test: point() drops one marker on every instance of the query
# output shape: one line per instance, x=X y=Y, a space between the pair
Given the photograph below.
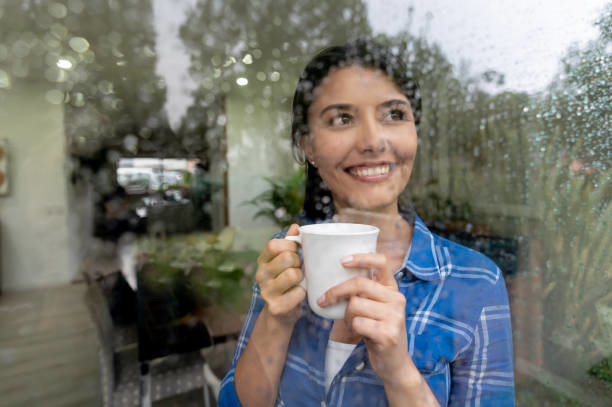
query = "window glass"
x=146 y=159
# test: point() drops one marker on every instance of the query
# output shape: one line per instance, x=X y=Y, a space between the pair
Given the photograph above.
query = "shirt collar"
x=421 y=259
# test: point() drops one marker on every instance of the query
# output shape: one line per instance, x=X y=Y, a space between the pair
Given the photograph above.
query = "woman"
x=431 y=327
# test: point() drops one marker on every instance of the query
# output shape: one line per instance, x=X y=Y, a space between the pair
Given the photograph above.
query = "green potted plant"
x=202 y=263
x=283 y=200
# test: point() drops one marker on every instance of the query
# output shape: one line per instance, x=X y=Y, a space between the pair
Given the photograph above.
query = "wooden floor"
x=48 y=352
x=48 y=349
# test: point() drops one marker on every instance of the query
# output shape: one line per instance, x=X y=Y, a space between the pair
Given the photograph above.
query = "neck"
x=380 y=212
x=340 y=332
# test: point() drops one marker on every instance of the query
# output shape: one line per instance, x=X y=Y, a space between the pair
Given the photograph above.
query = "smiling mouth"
x=370 y=173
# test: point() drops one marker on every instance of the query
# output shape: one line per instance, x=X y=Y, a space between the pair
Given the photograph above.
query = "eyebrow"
x=394 y=102
x=338 y=106
x=345 y=106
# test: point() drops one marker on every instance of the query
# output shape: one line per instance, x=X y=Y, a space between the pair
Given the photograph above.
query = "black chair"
x=129 y=380
x=121 y=303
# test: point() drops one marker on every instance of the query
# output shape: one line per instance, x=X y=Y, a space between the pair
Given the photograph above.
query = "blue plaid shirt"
x=458 y=327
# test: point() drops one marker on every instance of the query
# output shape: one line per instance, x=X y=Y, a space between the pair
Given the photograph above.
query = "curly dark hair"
x=364 y=52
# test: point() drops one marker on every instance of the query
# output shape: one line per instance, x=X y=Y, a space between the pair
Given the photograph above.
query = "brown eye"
x=342 y=119
x=395 y=115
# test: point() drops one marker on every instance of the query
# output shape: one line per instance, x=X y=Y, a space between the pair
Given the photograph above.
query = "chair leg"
x=145 y=385
x=206 y=389
x=212 y=380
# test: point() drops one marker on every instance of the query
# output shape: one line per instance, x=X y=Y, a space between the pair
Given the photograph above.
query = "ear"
x=306 y=145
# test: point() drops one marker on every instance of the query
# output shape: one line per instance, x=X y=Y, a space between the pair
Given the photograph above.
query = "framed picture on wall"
x=4 y=181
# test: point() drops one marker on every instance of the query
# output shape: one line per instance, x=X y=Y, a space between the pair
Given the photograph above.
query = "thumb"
x=294 y=230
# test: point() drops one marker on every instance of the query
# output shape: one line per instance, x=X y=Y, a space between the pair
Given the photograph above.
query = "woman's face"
x=362 y=138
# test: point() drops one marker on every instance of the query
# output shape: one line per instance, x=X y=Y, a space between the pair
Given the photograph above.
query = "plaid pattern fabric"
x=458 y=327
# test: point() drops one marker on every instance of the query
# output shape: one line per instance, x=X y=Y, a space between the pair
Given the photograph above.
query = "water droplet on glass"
x=5 y=80
x=78 y=99
x=247 y=60
x=78 y=44
x=130 y=142
x=57 y=10
x=105 y=87
x=59 y=30
x=76 y=6
x=229 y=61
x=20 y=49
x=64 y=63
x=149 y=52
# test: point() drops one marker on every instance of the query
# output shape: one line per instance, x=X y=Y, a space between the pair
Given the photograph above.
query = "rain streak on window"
x=146 y=159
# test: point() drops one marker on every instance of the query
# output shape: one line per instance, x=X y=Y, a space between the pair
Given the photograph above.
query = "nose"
x=371 y=136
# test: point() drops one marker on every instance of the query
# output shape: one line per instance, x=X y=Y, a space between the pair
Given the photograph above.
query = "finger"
x=295 y=295
x=293 y=230
x=282 y=261
x=379 y=332
x=276 y=246
x=372 y=261
x=360 y=286
x=286 y=280
x=269 y=271
x=371 y=329
x=365 y=307
x=358 y=307
x=288 y=301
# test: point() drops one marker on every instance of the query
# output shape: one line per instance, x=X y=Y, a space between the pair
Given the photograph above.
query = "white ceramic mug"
x=324 y=245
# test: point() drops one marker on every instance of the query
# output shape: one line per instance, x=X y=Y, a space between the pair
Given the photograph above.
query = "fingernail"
x=321 y=300
x=347 y=259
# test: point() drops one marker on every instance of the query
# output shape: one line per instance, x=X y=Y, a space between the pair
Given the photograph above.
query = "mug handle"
x=298 y=240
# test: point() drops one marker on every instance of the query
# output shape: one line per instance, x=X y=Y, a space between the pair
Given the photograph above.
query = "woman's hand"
x=376 y=311
x=259 y=368
x=278 y=275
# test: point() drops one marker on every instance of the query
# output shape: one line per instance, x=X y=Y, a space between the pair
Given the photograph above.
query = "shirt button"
x=360 y=366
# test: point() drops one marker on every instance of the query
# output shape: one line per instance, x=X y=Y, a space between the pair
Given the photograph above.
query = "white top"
x=336 y=354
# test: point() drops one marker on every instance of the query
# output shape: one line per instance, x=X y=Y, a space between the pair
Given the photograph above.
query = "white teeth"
x=368 y=172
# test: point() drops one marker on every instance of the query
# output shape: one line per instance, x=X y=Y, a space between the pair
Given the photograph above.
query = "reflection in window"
x=94 y=153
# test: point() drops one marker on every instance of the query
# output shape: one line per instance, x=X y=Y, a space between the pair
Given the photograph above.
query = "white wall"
x=258 y=146
x=37 y=248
